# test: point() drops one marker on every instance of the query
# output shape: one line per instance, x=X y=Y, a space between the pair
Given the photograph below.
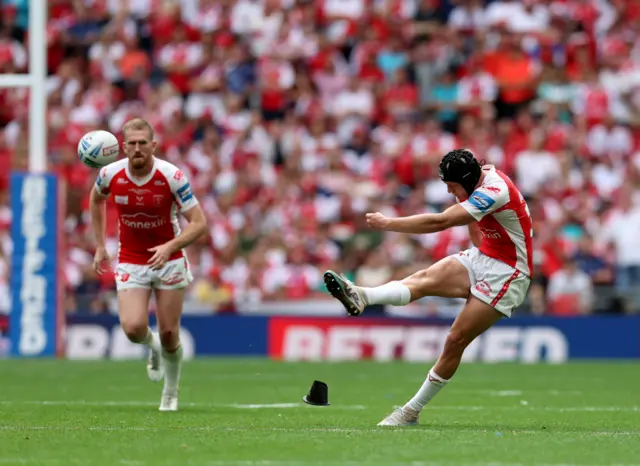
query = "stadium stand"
x=293 y=118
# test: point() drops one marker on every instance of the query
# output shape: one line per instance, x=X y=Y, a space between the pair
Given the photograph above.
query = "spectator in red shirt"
x=400 y=100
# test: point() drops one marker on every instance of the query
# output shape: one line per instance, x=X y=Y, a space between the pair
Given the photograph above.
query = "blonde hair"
x=137 y=124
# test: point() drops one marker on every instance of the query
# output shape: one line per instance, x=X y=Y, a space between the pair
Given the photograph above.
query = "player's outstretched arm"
x=422 y=223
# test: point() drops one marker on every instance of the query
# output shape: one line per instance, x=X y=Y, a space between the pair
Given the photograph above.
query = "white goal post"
x=35 y=81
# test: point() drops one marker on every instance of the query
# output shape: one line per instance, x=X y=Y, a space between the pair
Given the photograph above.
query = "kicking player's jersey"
x=504 y=221
x=147 y=207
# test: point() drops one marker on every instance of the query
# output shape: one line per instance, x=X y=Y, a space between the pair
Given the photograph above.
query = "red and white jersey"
x=504 y=220
x=147 y=207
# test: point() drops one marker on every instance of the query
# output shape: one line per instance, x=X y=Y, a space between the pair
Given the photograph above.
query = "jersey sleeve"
x=486 y=199
x=181 y=189
x=103 y=182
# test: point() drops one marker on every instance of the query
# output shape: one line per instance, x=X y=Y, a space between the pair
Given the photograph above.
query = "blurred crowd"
x=293 y=118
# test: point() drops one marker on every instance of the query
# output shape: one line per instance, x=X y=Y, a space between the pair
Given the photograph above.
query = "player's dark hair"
x=460 y=166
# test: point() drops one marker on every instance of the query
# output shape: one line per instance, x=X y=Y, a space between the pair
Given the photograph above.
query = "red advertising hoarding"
x=322 y=339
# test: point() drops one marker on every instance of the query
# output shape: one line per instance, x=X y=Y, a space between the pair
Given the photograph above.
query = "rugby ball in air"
x=98 y=148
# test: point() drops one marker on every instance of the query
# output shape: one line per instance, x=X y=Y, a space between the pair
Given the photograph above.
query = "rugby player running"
x=149 y=193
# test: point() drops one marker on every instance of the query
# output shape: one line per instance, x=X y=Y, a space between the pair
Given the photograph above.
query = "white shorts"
x=494 y=282
x=173 y=276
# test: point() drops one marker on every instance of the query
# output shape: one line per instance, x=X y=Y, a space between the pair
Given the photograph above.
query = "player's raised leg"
x=447 y=278
x=476 y=317
x=169 y=309
x=133 y=310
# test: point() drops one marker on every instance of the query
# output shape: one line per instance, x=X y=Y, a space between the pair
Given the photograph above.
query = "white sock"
x=429 y=389
x=172 y=367
x=394 y=293
x=152 y=340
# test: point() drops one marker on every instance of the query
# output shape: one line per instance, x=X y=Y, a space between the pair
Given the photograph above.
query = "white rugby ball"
x=98 y=148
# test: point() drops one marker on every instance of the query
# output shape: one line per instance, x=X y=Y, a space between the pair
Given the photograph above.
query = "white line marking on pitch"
x=460 y=391
x=368 y=430
x=555 y=409
x=283 y=405
x=150 y=403
x=507 y=393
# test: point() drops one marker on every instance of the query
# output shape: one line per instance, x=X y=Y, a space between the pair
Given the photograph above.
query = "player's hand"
x=161 y=255
x=377 y=221
x=100 y=259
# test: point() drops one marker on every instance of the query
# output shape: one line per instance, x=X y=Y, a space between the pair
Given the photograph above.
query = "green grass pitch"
x=245 y=412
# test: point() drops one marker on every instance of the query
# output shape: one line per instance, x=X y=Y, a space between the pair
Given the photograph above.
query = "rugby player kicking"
x=493 y=276
x=148 y=194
